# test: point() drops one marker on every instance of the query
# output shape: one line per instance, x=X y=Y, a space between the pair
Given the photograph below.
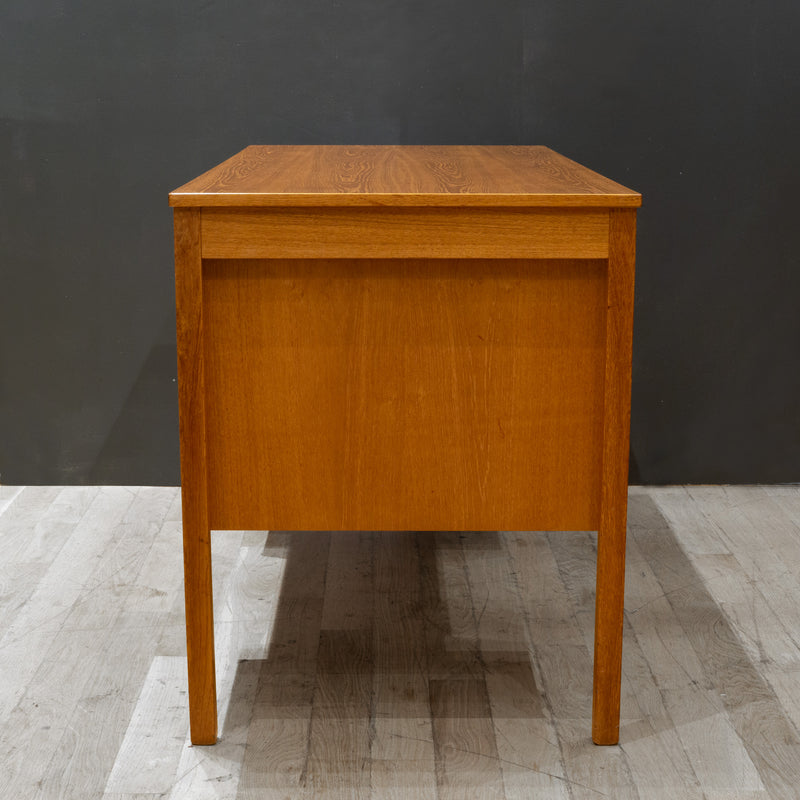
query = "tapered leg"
x=614 y=492
x=199 y=630
x=194 y=490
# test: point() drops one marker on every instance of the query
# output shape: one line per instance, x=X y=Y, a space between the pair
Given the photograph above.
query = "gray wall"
x=106 y=106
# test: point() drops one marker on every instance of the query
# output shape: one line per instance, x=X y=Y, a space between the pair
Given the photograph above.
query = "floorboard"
x=421 y=666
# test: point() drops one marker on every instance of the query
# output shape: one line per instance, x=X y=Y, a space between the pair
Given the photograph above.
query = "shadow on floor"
x=382 y=666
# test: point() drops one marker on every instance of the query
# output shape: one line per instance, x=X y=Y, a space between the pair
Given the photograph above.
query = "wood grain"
x=404 y=233
x=103 y=712
x=57 y=647
x=466 y=751
x=164 y=687
x=442 y=342
x=401 y=175
x=616 y=435
x=402 y=754
x=711 y=708
x=770 y=741
x=526 y=739
x=27 y=528
x=8 y=494
x=194 y=485
x=40 y=612
x=390 y=395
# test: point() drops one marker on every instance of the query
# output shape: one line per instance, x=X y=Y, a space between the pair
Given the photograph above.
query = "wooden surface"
x=397 y=395
x=194 y=475
x=92 y=655
x=404 y=233
x=406 y=367
x=314 y=175
x=614 y=484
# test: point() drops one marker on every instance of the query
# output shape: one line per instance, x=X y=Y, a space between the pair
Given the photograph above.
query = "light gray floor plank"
x=49 y=659
x=110 y=606
x=526 y=740
x=82 y=656
x=8 y=494
x=154 y=770
x=392 y=665
x=402 y=757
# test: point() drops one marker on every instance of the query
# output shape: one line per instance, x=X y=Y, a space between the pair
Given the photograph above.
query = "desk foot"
x=606 y=737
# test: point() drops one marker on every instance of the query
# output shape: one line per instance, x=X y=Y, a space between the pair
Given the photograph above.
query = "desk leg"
x=610 y=594
x=194 y=489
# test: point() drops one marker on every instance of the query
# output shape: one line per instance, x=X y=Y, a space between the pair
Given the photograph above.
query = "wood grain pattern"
x=526 y=739
x=40 y=613
x=102 y=712
x=720 y=629
x=711 y=708
x=403 y=762
x=402 y=175
x=276 y=756
x=613 y=514
x=7 y=496
x=26 y=529
x=404 y=233
x=393 y=395
x=164 y=686
x=57 y=646
x=466 y=751
x=459 y=360
x=194 y=484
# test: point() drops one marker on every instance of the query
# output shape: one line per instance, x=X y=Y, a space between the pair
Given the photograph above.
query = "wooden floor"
x=399 y=665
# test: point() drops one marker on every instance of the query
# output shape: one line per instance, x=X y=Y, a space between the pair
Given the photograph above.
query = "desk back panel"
x=404 y=394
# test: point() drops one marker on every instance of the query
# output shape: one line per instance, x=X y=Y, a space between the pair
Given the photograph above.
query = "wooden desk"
x=404 y=338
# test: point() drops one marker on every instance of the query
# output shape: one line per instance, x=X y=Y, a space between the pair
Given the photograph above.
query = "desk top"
x=401 y=175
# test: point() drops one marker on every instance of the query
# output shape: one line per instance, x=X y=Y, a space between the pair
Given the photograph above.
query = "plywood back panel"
x=404 y=394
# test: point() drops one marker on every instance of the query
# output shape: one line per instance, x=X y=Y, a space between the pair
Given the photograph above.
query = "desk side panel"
x=404 y=394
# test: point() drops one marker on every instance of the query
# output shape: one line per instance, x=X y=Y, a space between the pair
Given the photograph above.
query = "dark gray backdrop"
x=106 y=106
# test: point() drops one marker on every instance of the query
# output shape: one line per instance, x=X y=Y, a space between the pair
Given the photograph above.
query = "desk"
x=404 y=338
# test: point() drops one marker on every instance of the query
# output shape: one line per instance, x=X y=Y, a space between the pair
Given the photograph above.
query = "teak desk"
x=404 y=338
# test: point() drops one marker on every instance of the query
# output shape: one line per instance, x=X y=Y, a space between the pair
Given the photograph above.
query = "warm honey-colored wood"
x=404 y=233
x=394 y=175
x=194 y=477
x=404 y=338
x=386 y=395
x=614 y=497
